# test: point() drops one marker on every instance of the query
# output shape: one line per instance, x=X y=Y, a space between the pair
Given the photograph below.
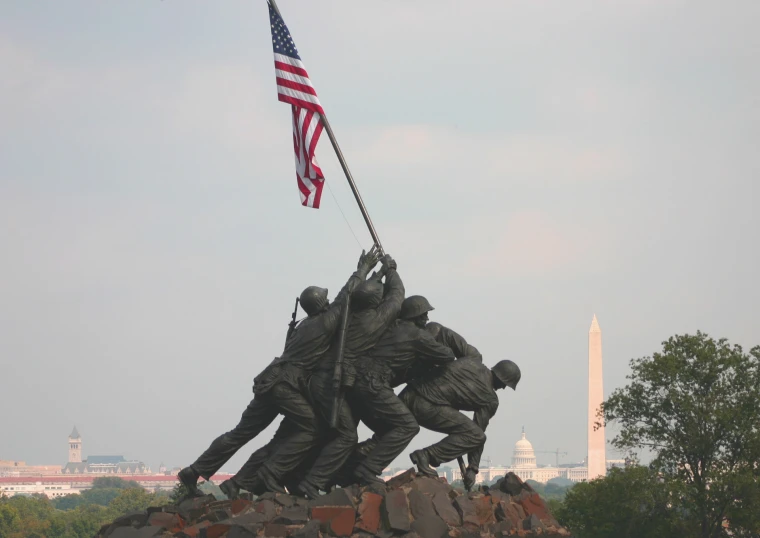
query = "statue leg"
x=246 y=477
x=393 y=423
x=258 y=415
x=299 y=432
x=339 y=443
x=464 y=436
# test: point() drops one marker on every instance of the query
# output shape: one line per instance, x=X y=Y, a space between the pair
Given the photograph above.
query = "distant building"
x=17 y=478
x=101 y=465
x=20 y=468
x=524 y=465
x=36 y=488
x=597 y=442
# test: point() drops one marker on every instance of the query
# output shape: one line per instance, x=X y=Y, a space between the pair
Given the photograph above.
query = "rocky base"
x=411 y=506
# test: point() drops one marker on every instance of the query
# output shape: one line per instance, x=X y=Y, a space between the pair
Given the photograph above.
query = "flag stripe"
x=290 y=76
x=294 y=87
x=291 y=69
x=291 y=61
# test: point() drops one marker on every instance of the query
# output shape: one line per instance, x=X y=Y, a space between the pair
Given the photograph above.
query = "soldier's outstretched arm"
x=431 y=352
x=481 y=417
x=367 y=262
x=453 y=340
x=393 y=294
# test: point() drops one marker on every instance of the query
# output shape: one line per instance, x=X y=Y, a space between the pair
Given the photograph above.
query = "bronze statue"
x=374 y=307
x=436 y=400
x=404 y=344
x=279 y=390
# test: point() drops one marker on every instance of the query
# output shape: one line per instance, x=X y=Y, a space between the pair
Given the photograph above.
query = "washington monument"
x=597 y=464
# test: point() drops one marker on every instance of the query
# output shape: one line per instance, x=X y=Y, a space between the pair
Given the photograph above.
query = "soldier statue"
x=436 y=400
x=414 y=310
x=374 y=307
x=279 y=389
x=404 y=344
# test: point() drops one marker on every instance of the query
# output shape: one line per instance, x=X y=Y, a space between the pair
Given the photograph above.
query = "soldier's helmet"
x=313 y=300
x=508 y=373
x=368 y=294
x=413 y=306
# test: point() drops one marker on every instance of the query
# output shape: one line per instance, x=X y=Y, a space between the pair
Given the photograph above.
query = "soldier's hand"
x=469 y=479
x=388 y=263
x=368 y=260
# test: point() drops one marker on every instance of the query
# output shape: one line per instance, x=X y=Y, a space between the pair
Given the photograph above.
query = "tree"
x=696 y=407
x=10 y=519
x=82 y=522
x=34 y=514
x=114 y=482
x=135 y=500
x=627 y=503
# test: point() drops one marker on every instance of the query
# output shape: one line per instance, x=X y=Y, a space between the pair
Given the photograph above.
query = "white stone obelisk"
x=597 y=458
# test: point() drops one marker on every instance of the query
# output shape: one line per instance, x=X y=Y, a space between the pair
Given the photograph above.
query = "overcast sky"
x=528 y=164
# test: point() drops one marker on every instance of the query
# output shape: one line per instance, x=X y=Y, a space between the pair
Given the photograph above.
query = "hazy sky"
x=528 y=164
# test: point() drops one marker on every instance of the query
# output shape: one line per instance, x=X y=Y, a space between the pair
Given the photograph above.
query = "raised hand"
x=368 y=260
x=388 y=263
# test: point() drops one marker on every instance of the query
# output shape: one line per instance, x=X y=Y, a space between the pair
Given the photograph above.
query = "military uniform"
x=280 y=389
x=403 y=346
x=453 y=341
x=436 y=400
x=365 y=328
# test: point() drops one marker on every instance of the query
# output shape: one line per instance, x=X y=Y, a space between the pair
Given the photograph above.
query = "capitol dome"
x=523 y=456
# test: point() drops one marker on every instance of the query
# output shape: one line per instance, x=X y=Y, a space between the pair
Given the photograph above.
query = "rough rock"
x=369 y=512
x=466 y=509
x=420 y=505
x=401 y=480
x=444 y=508
x=396 y=508
x=430 y=526
x=266 y=507
x=412 y=506
x=295 y=515
x=337 y=497
x=429 y=486
x=337 y=520
x=310 y=530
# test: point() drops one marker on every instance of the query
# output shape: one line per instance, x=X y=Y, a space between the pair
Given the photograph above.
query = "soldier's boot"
x=230 y=489
x=188 y=477
x=365 y=477
x=305 y=489
x=421 y=460
x=269 y=481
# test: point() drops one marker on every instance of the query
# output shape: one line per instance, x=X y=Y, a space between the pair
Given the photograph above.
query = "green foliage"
x=73 y=516
x=136 y=500
x=99 y=496
x=10 y=519
x=696 y=407
x=629 y=503
x=82 y=522
x=113 y=482
x=179 y=492
x=550 y=491
x=27 y=515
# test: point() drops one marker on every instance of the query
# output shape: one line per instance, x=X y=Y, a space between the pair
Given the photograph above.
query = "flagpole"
x=344 y=165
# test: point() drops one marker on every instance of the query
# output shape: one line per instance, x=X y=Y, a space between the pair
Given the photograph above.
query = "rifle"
x=292 y=324
x=462 y=468
x=338 y=372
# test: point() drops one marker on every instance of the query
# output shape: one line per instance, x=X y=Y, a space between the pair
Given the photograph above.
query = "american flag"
x=294 y=87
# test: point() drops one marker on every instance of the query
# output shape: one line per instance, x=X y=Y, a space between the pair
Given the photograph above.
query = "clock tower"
x=75 y=447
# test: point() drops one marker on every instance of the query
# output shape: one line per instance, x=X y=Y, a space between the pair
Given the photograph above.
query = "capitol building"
x=524 y=465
